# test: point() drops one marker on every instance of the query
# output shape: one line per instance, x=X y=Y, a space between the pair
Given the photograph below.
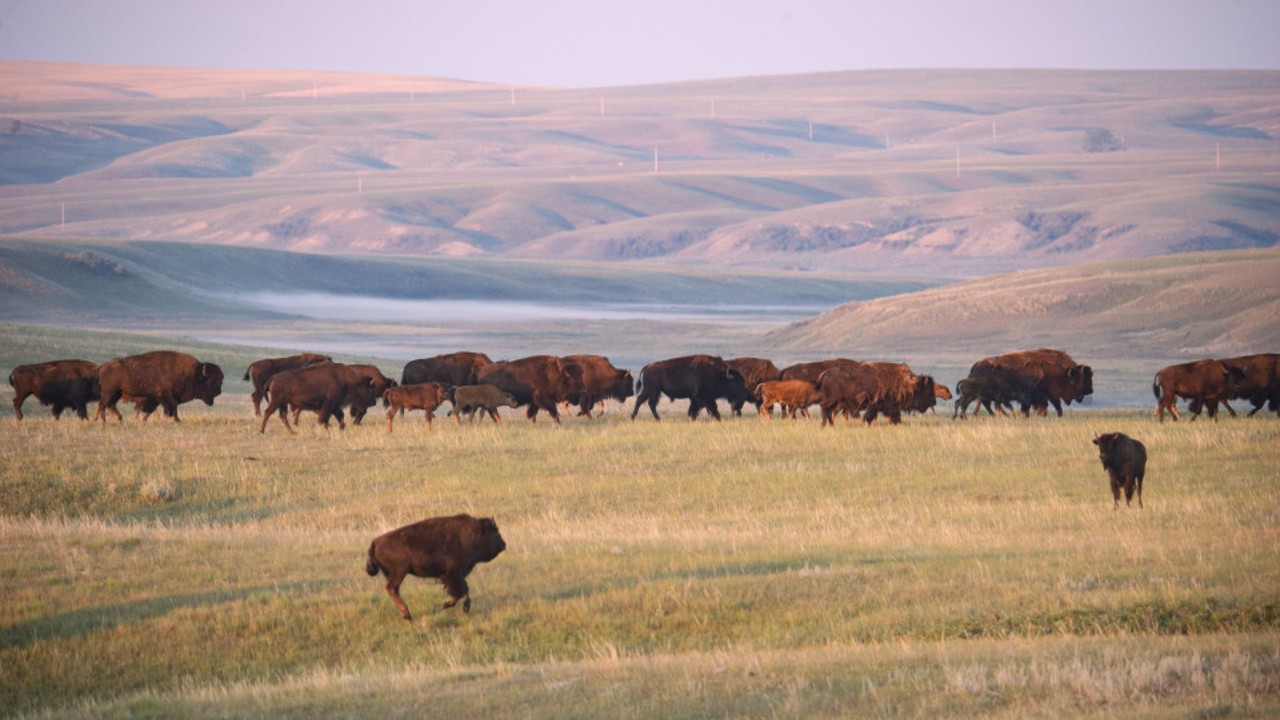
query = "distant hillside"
x=1190 y=306
x=126 y=284
x=957 y=172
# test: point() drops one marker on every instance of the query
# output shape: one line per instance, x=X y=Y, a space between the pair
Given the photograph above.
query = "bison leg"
x=493 y=415
x=391 y=413
x=456 y=586
x=1115 y=491
x=646 y=397
x=394 y=578
x=257 y=403
x=18 y=399
x=429 y=413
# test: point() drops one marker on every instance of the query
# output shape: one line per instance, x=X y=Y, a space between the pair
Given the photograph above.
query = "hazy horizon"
x=613 y=44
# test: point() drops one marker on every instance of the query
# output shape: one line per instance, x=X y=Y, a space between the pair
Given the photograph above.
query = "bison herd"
x=1014 y=382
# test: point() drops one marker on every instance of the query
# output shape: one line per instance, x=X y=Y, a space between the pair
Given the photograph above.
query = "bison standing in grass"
x=485 y=398
x=1044 y=376
x=60 y=383
x=324 y=388
x=261 y=371
x=1202 y=383
x=163 y=378
x=792 y=395
x=1125 y=460
x=423 y=396
x=1258 y=381
x=442 y=547
x=702 y=379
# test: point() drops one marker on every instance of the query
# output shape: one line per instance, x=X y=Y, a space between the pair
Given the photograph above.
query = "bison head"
x=1081 y=380
x=490 y=542
x=208 y=382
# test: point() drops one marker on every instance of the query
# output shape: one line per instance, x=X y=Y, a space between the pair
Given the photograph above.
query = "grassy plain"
x=745 y=568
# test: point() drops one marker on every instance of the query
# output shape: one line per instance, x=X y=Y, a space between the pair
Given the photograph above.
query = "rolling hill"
x=958 y=173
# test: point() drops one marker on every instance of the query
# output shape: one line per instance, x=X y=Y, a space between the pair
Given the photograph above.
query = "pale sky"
x=598 y=43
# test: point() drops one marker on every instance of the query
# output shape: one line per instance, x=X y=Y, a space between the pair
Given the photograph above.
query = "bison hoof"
x=466 y=606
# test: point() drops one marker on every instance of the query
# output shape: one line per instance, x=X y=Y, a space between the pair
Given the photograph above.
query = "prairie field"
x=747 y=568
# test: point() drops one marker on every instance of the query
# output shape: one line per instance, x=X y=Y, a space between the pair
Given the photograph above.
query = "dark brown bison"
x=1258 y=381
x=1045 y=376
x=792 y=395
x=442 y=547
x=848 y=388
x=259 y=373
x=323 y=388
x=1125 y=460
x=702 y=379
x=379 y=382
x=484 y=398
x=1202 y=382
x=754 y=371
x=457 y=368
x=162 y=378
x=601 y=381
x=811 y=370
x=537 y=382
x=61 y=384
x=900 y=390
x=422 y=396
x=985 y=391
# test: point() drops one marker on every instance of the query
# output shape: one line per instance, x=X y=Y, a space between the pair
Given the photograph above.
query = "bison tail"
x=1155 y=387
x=246 y=374
x=372 y=567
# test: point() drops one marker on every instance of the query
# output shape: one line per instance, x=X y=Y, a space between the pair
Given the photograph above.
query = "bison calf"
x=423 y=396
x=485 y=398
x=1125 y=460
x=442 y=547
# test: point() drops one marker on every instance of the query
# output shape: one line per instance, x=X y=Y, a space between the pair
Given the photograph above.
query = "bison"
x=485 y=398
x=900 y=390
x=702 y=379
x=163 y=378
x=754 y=371
x=1202 y=382
x=422 y=396
x=457 y=368
x=324 y=388
x=260 y=372
x=537 y=381
x=380 y=384
x=1258 y=381
x=1125 y=460
x=847 y=388
x=984 y=391
x=601 y=381
x=441 y=547
x=792 y=395
x=811 y=370
x=60 y=383
x=1045 y=376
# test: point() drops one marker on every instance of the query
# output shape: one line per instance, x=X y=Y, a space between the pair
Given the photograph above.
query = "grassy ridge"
x=748 y=567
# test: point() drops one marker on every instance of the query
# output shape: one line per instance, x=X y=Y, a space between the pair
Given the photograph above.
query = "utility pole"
x=655 y=159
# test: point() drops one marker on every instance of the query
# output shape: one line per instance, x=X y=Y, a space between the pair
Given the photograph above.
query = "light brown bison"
x=1044 y=376
x=754 y=371
x=163 y=378
x=702 y=379
x=792 y=395
x=456 y=368
x=61 y=384
x=260 y=372
x=601 y=381
x=484 y=398
x=423 y=396
x=323 y=388
x=1125 y=460
x=1258 y=381
x=442 y=547
x=537 y=382
x=1201 y=382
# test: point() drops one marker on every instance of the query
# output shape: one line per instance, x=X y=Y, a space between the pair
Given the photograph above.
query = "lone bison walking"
x=1125 y=460
x=441 y=547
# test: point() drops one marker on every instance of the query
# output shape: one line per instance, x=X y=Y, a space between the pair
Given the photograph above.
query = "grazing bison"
x=1202 y=382
x=261 y=371
x=457 y=368
x=379 y=382
x=442 y=547
x=1258 y=381
x=792 y=395
x=601 y=381
x=60 y=383
x=422 y=396
x=537 y=381
x=1045 y=376
x=162 y=378
x=754 y=371
x=485 y=398
x=1125 y=460
x=702 y=379
x=323 y=388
